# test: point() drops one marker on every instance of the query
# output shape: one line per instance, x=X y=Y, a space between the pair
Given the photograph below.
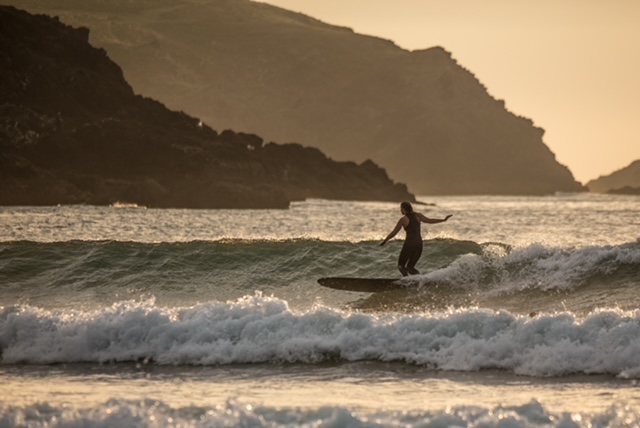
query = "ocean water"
x=525 y=314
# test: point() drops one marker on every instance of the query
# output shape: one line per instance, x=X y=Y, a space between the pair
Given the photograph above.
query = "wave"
x=148 y=412
x=258 y=329
x=202 y=270
x=463 y=263
x=536 y=277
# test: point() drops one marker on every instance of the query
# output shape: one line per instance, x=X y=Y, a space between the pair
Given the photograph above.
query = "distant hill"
x=244 y=65
x=73 y=132
x=623 y=181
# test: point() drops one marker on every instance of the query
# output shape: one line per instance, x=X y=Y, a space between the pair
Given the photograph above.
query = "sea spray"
x=258 y=329
x=540 y=266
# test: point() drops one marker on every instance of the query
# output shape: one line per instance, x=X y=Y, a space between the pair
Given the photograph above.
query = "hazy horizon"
x=571 y=67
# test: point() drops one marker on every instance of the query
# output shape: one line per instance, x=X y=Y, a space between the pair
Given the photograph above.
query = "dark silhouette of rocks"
x=626 y=190
x=72 y=131
x=244 y=65
x=625 y=181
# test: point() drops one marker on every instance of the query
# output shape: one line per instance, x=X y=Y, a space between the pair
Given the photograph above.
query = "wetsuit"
x=412 y=247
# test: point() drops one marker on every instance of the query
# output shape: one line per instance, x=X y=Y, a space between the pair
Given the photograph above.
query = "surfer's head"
x=406 y=207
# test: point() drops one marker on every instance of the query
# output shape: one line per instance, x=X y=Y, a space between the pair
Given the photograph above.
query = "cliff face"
x=244 y=65
x=623 y=181
x=73 y=131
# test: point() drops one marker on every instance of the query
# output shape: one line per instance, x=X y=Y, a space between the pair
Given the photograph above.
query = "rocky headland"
x=72 y=131
x=625 y=181
x=287 y=77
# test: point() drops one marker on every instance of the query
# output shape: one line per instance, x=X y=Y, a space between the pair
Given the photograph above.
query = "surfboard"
x=366 y=285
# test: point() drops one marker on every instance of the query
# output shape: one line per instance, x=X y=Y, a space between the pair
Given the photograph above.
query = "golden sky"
x=572 y=66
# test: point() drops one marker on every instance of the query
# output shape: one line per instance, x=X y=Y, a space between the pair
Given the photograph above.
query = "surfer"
x=412 y=247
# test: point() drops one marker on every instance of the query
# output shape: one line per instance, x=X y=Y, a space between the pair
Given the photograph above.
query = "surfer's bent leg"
x=403 y=259
x=414 y=256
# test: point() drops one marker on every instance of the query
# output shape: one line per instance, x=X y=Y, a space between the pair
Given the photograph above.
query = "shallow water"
x=364 y=387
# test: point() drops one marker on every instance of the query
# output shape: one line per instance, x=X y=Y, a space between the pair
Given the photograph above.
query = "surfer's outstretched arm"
x=426 y=219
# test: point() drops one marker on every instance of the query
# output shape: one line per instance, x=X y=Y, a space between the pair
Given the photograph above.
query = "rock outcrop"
x=247 y=65
x=624 y=181
x=72 y=131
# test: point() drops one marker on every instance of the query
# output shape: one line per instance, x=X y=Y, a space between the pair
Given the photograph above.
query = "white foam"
x=258 y=329
x=538 y=266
